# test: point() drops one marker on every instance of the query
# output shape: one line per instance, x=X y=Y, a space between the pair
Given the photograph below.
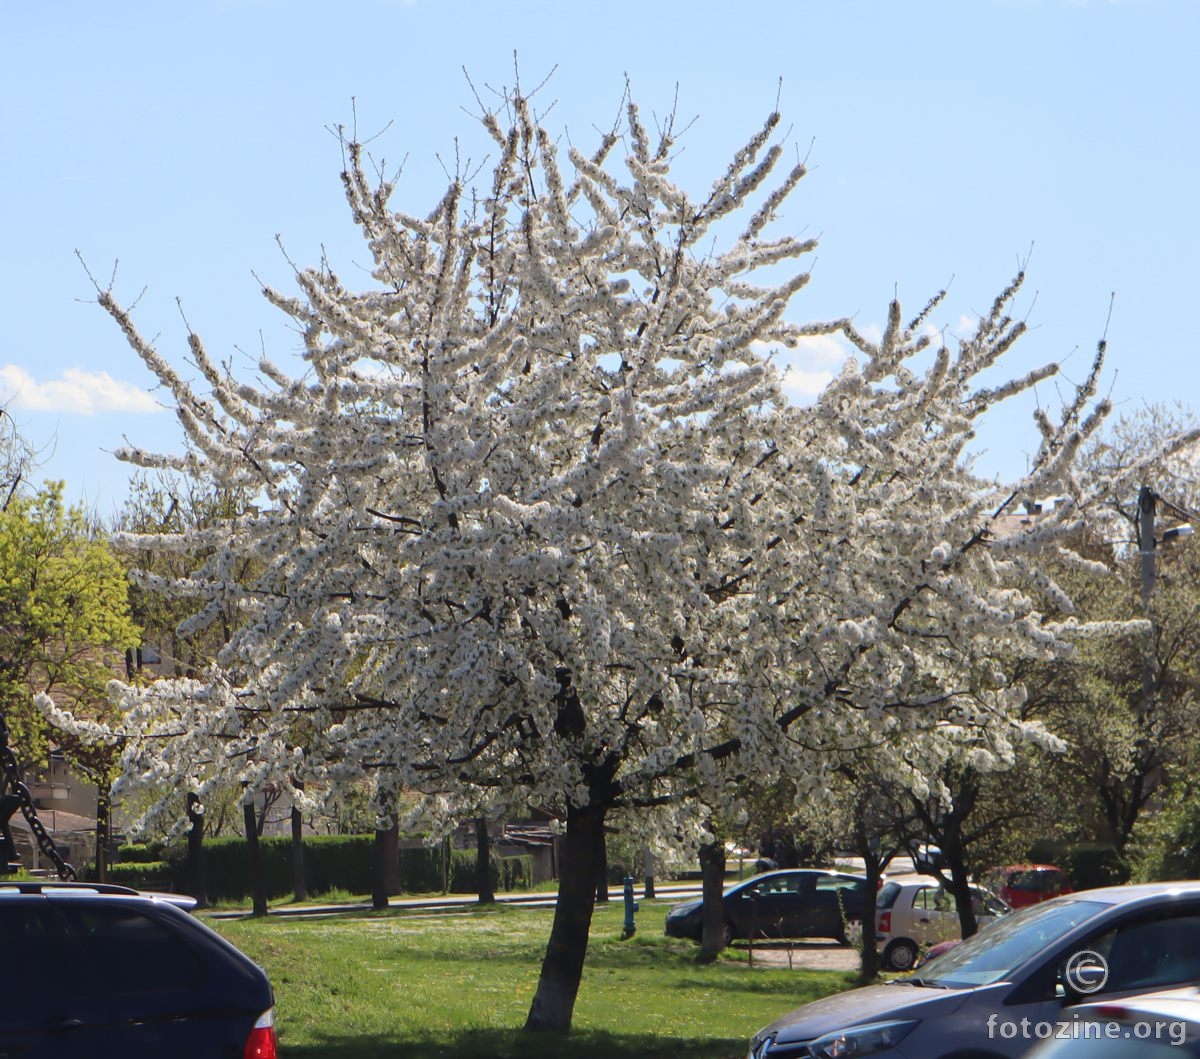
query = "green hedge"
x=141 y=853
x=342 y=862
x=141 y=875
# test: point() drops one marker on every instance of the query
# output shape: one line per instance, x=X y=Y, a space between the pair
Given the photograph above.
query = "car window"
x=887 y=896
x=778 y=884
x=38 y=950
x=1149 y=954
x=134 y=953
x=933 y=899
x=986 y=904
x=837 y=882
x=992 y=954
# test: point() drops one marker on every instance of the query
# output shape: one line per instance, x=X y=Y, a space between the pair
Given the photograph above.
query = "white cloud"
x=76 y=392
x=811 y=366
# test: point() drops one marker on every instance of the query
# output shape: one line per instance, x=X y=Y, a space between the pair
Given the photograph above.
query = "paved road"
x=452 y=903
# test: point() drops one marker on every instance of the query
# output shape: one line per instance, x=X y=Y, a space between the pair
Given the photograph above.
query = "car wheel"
x=900 y=955
x=851 y=932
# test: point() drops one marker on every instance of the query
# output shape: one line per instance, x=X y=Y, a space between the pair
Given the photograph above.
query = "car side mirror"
x=1079 y=979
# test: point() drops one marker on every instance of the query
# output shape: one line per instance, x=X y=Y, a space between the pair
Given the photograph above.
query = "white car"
x=912 y=914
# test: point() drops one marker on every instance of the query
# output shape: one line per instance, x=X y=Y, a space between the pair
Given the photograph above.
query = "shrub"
x=140 y=853
x=141 y=875
x=340 y=862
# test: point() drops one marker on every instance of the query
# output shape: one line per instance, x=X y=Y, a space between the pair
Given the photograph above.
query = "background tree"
x=64 y=622
x=537 y=525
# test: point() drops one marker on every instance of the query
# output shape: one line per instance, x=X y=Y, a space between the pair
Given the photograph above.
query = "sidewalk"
x=451 y=902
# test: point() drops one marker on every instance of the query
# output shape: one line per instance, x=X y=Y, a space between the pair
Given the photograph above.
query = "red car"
x=1026 y=884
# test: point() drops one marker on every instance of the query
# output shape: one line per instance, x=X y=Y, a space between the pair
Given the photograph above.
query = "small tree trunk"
x=712 y=882
x=258 y=882
x=960 y=887
x=562 y=966
x=103 y=814
x=648 y=868
x=386 y=880
x=299 y=880
x=197 y=879
x=483 y=862
x=868 y=963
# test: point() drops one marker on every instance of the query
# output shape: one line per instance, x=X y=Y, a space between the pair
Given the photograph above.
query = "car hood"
x=857 y=1007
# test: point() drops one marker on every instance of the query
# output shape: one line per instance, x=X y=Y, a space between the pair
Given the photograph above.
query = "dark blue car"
x=790 y=903
x=94 y=970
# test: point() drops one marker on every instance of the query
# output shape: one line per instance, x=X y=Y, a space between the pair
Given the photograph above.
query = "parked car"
x=99 y=970
x=912 y=914
x=1025 y=966
x=1019 y=885
x=790 y=903
x=1156 y=1026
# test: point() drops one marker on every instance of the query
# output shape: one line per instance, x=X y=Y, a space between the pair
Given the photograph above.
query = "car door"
x=156 y=983
x=776 y=906
x=1139 y=953
x=935 y=918
x=51 y=997
x=837 y=900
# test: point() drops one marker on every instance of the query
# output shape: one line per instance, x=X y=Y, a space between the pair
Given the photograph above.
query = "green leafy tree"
x=65 y=622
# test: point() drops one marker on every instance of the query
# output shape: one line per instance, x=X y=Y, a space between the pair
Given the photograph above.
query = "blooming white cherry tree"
x=537 y=526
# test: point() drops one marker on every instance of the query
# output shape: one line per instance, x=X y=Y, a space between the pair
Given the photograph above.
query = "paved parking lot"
x=800 y=955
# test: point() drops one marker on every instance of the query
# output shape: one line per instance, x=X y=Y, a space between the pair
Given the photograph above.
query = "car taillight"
x=885 y=922
x=261 y=1042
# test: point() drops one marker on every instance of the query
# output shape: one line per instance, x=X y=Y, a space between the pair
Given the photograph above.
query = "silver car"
x=987 y=997
x=914 y=913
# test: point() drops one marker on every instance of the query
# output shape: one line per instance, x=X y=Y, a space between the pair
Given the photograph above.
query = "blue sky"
x=946 y=138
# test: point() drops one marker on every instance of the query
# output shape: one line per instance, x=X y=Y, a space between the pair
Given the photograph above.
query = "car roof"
x=71 y=890
x=913 y=881
x=1116 y=895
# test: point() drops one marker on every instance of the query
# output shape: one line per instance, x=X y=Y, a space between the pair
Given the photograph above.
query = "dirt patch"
x=807 y=956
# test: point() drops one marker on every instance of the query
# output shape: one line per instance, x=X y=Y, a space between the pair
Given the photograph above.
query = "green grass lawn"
x=457 y=986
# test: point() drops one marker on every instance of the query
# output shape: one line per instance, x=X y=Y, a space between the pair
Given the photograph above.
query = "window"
x=38 y=953
x=133 y=952
x=887 y=896
x=836 y=882
x=933 y=899
x=1152 y=953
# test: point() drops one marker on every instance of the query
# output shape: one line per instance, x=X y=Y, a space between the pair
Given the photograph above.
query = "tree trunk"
x=103 y=814
x=562 y=966
x=299 y=880
x=197 y=878
x=712 y=876
x=960 y=884
x=868 y=847
x=648 y=868
x=258 y=881
x=386 y=880
x=483 y=862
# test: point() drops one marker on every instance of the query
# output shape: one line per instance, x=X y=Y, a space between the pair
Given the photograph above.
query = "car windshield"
x=993 y=954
